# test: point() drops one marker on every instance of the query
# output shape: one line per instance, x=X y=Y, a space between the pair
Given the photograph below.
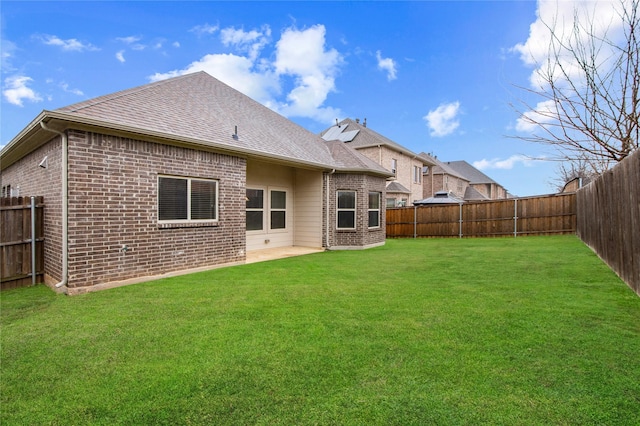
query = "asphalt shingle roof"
x=201 y=109
x=471 y=173
x=443 y=168
x=357 y=135
x=397 y=187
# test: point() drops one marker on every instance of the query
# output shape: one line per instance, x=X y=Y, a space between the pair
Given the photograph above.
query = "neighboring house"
x=479 y=182
x=441 y=178
x=183 y=174
x=406 y=166
x=462 y=180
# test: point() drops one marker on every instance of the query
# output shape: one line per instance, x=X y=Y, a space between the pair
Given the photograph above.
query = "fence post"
x=33 y=240
x=415 y=221
x=515 y=218
x=460 y=222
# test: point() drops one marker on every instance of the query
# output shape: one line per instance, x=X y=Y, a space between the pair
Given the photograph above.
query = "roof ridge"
x=78 y=106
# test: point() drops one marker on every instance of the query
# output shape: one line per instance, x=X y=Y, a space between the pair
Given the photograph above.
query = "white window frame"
x=188 y=220
x=394 y=167
x=378 y=210
x=272 y=209
x=267 y=209
x=417 y=174
x=263 y=209
x=342 y=209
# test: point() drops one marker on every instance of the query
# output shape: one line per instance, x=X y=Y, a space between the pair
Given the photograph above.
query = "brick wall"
x=404 y=171
x=362 y=236
x=113 y=203
x=441 y=182
x=33 y=180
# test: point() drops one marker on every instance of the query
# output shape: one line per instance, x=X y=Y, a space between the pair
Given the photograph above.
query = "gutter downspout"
x=326 y=234
x=65 y=205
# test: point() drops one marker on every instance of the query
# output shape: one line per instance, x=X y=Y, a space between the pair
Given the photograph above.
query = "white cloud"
x=301 y=54
x=7 y=48
x=251 y=42
x=70 y=45
x=204 y=29
x=603 y=20
x=507 y=164
x=120 y=56
x=16 y=90
x=300 y=59
x=443 y=121
x=544 y=113
x=388 y=65
x=236 y=71
x=129 y=39
x=65 y=87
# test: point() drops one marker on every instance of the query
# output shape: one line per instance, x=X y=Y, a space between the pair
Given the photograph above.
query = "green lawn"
x=526 y=331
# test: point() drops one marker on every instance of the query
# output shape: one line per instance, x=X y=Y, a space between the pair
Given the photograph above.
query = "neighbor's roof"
x=349 y=160
x=440 y=167
x=397 y=188
x=358 y=135
x=471 y=173
x=472 y=194
x=193 y=110
x=440 y=197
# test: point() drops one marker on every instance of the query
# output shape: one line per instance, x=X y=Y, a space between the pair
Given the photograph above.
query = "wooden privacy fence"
x=545 y=215
x=609 y=218
x=21 y=250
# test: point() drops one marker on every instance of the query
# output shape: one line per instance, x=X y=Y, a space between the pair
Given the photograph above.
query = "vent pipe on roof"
x=365 y=122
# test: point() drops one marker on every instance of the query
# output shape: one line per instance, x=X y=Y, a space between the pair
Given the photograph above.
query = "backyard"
x=512 y=331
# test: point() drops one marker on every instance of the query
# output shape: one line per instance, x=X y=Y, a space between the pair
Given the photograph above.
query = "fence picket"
x=549 y=214
x=16 y=243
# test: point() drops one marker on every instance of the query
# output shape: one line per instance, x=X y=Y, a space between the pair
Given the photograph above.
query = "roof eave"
x=20 y=146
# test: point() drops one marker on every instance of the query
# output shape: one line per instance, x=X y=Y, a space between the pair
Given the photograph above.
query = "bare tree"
x=589 y=85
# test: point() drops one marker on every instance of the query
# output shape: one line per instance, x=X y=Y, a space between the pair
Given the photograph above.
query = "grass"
x=527 y=331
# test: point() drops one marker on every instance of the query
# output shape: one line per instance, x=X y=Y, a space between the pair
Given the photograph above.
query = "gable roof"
x=358 y=135
x=473 y=194
x=349 y=160
x=440 y=168
x=194 y=110
x=472 y=174
x=397 y=187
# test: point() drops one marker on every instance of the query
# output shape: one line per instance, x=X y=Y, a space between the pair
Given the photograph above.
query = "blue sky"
x=436 y=77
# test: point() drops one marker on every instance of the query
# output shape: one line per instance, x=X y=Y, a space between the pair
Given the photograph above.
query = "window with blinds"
x=187 y=199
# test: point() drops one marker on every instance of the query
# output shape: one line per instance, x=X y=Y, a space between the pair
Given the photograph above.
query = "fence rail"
x=21 y=250
x=549 y=214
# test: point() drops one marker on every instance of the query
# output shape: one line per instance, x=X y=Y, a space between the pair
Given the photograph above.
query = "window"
x=278 y=209
x=391 y=202
x=187 y=199
x=346 y=210
x=417 y=174
x=374 y=209
x=255 y=209
x=394 y=166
